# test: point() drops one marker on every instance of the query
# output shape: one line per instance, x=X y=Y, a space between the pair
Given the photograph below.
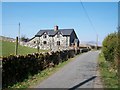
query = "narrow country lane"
x=80 y=73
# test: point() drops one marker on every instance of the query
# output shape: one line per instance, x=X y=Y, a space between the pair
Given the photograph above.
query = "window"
x=45 y=36
x=44 y=42
x=58 y=35
x=34 y=41
x=58 y=42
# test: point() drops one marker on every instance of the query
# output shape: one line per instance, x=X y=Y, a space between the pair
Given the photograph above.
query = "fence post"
x=38 y=48
x=16 y=46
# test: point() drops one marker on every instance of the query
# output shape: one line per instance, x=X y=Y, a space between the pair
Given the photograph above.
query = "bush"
x=109 y=46
x=17 y=68
x=64 y=55
x=71 y=53
x=111 y=51
x=55 y=58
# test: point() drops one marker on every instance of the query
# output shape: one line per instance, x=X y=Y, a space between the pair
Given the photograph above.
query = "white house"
x=54 y=38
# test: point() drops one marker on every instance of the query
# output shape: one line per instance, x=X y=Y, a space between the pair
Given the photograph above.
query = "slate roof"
x=51 y=32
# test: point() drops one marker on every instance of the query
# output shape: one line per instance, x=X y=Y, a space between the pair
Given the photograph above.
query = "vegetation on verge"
x=109 y=47
x=108 y=61
x=108 y=74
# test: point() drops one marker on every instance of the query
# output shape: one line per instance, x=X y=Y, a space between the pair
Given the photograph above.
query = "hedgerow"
x=18 y=68
x=109 y=47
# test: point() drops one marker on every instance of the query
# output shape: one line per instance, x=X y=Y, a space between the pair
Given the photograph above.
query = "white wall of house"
x=33 y=42
x=51 y=42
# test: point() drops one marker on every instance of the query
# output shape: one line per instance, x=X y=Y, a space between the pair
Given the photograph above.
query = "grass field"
x=109 y=76
x=8 y=48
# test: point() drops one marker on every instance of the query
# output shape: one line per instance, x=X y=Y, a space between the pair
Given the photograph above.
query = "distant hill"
x=7 y=39
x=92 y=43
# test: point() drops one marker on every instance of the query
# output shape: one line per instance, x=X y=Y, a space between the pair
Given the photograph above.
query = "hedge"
x=18 y=68
x=109 y=47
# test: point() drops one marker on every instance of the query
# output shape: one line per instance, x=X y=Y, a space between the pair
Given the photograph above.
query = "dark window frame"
x=45 y=35
x=44 y=42
x=58 y=43
x=34 y=42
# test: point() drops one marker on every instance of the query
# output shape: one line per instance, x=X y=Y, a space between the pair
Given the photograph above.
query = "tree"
x=24 y=39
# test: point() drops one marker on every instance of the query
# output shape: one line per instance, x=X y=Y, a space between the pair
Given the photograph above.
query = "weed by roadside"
x=108 y=73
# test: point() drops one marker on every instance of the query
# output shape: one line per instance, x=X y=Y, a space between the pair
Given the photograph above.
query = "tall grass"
x=108 y=73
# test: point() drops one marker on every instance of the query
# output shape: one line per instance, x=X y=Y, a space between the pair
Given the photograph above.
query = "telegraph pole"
x=16 y=46
x=19 y=33
x=96 y=41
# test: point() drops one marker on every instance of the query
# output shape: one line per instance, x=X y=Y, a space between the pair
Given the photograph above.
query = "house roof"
x=51 y=32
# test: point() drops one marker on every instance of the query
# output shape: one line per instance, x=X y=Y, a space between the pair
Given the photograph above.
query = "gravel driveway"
x=80 y=73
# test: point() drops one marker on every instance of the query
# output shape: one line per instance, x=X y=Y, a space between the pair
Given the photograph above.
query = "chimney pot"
x=55 y=28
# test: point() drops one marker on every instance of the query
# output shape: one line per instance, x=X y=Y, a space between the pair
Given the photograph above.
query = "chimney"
x=55 y=28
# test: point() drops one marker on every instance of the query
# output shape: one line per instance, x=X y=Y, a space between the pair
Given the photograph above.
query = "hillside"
x=8 y=48
x=7 y=39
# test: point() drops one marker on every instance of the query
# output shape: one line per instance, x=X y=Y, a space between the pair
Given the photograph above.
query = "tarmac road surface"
x=80 y=73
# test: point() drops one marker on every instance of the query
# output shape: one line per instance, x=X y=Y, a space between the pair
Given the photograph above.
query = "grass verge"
x=8 y=48
x=32 y=81
x=108 y=73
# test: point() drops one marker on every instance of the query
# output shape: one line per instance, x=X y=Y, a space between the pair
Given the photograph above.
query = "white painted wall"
x=51 y=42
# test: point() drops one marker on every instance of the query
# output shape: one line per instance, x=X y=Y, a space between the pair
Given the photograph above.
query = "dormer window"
x=44 y=35
x=58 y=35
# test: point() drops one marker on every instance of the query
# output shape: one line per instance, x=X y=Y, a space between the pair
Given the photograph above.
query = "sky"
x=59 y=0
x=119 y=14
x=34 y=16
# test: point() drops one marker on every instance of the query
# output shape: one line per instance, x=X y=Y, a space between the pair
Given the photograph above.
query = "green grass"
x=32 y=81
x=108 y=74
x=8 y=48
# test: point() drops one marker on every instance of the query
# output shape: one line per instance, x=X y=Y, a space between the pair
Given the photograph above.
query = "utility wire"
x=88 y=16
x=89 y=20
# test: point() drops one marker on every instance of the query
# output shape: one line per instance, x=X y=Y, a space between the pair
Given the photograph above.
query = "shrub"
x=56 y=58
x=17 y=68
x=47 y=60
x=71 y=53
x=109 y=46
x=64 y=55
